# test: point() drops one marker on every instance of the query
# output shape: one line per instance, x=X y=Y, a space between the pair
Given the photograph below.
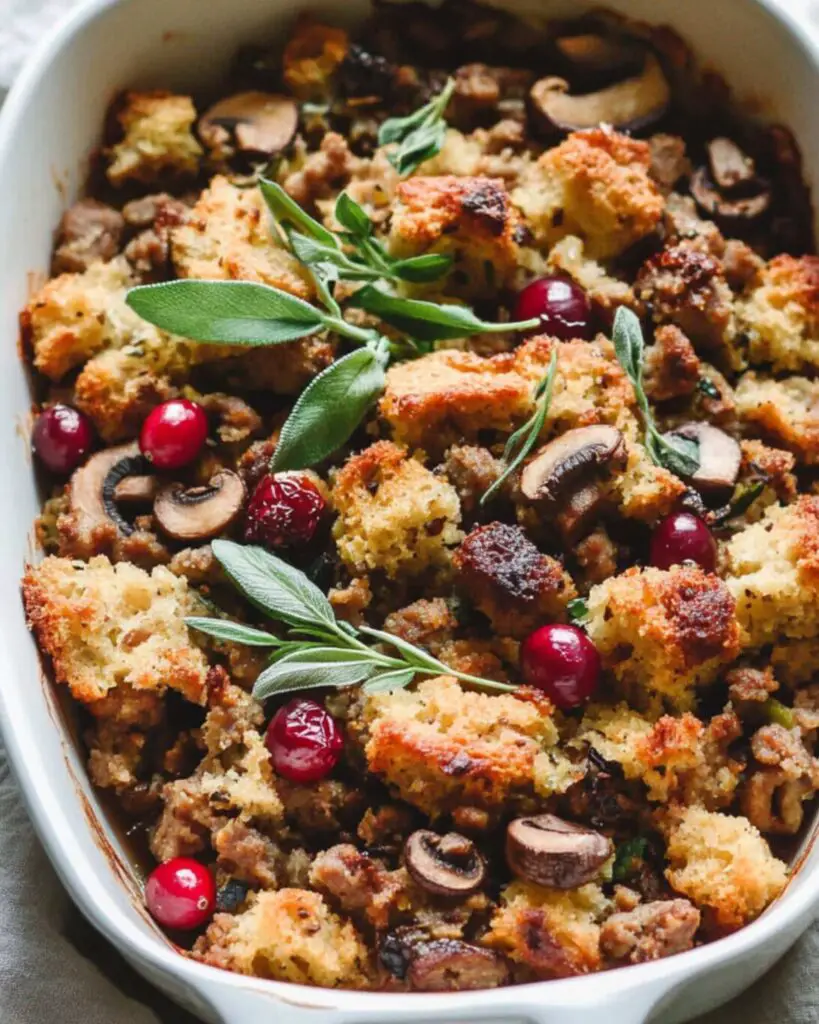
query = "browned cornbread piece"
x=594 y=185
x=105 y=625
x=665 y=631
x=553 y=934
x=441 y=746
x=446 y=396
x=158 y=139
x=288 y=935
x=513 y=584
x=723 y=864
x=228 y=235
x=772 y=570
x=781 y=314
x=785 y=412
x=393 y=513
x=469 y=218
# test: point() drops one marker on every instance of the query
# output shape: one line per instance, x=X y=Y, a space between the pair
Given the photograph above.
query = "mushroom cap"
x=559 y=465
x=595 y=60
x=730 y=166
x=92 y=488
x=251 y=122
x=629 y=105
x=448 y=865
x=722 y=207
x=549 y=851
x=200 y=513
x=719 y=454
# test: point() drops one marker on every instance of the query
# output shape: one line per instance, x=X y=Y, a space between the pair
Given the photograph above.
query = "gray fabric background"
x=55 y=969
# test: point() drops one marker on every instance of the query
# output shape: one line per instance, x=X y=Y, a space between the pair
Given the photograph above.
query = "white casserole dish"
x=49 y=125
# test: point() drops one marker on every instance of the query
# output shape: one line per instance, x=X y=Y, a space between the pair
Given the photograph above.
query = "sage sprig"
x=679 y=455
x=320 y=650
x=524 y=439
x=420 y=135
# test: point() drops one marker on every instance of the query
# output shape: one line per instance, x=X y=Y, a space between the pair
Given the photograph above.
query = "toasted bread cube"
x=554 y=934
x=228 y=235
x=157 y=139
x=665 y=631
x=569 y=256
x=469 y=218
x=785 y=412
x=781 y=315
x=441 y=746
x=106 y=625
x=393 y=513
x=772 y=570
x=594 y=185
x=644 y=490
x=723 y=864
x=288 y=935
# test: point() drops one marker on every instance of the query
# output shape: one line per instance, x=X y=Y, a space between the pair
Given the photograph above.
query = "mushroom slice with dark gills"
x=448 y=865
x=729 y=188
x=105 y=479
x=561 y=464
x=593 y=61
x=559 y=854
x=201 y=512
x=253 y=123
x=629 y=105
x=719 y=458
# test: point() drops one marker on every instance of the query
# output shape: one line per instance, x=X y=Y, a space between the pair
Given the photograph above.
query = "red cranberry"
x=304 y=741
x=561 y=661
x=62 y=437
x=173 y=433
x=181 y=894
x=562 y=307
x=682 y=537
x=284 y=511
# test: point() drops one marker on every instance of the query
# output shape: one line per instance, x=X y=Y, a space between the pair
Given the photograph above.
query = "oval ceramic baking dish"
x=48 y=127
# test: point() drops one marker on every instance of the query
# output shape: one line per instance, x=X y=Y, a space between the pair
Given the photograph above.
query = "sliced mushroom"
x=592 y=58
x=730 y=166
x=199 y=513
x=629 y=105
x=448 y=865
x=716 y=204
x=560 y=463
x=719 y=454
x=136 y=490
x=450 y=965
x=559 y=854
x=257 y=123
x=92 y=490
x=581 y=510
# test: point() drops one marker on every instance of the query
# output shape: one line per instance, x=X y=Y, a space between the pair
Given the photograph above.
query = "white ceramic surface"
x=50 y=123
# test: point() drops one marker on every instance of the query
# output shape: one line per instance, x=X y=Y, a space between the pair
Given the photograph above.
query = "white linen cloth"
x=55 y=969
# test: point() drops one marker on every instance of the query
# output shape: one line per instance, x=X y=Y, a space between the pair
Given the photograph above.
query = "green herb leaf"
x=286 y=211
x=387 y=681
x=679 y=455
x=329 y=410
x=708 y=388
x=233 y=632
x=274 y=586
x=306 y=674
x=333 y=263
x=422 y=269
x=627 y=858
x=578 y=611
x=524 y=439
x=779 y=713
x=230 y=312
x=352 y=216
x=744 y=496
x=428 y=321
x=628 y=344
x=420 y=135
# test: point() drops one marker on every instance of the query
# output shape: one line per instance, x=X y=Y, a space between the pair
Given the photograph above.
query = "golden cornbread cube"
x=643 y=490
x=229 y=235
x=665 y=631
x=723 y=864
x=554 y=934
x=393 y=513
x=569 y=256
x=594 y=185
x=772 y=571
x=784 y=411
x=105 y=625
x=288 y=935
x=157 y=138
x=441 y=746
x=450 y=395
x=469 y=218
x=780 y=317
x=75 y=315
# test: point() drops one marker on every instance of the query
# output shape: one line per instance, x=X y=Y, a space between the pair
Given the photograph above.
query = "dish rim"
x=52 y=821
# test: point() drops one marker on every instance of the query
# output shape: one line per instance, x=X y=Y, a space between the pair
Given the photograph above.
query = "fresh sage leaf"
x=742 y=500
x=286 y=211
x=523 y=440
x=679 y=455
x=274 y=586
x=353 y=217
x=329 y=410
x=420 y=135
x=295 y=674
x=229 y=312
x=628 y=343
x=388 y=681
x=428 y=321
x=578 y=611
x=233 y=632
x=422 y=269
x=333 y=263
x=627 y=858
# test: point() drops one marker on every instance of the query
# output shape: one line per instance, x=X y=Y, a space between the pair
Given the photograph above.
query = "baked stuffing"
x=542 y=572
